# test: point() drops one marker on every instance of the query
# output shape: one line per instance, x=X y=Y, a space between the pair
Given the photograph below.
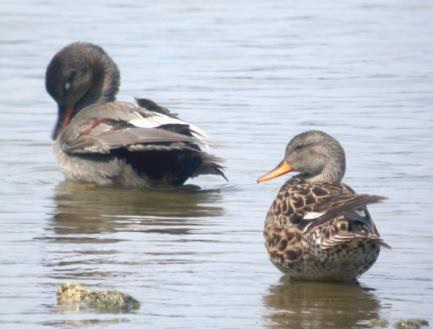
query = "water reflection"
x=86 y=209
x=85 y=323
x=90 y=224
x=295 y=304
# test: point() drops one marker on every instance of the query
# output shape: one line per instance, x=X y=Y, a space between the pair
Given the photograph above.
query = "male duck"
x=103 y=141
x=317 y=227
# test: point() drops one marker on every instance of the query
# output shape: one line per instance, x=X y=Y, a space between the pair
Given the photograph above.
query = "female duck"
x=317 y=227
x=102 y=141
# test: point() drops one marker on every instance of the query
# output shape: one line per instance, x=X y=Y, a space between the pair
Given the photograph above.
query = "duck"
x=102 y=141
x=319 y=228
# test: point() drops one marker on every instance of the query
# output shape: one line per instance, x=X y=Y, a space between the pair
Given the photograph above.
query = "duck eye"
x=68 y=83
x=298 y=147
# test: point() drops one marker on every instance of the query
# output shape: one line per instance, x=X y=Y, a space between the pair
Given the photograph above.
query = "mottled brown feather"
x=340 y=244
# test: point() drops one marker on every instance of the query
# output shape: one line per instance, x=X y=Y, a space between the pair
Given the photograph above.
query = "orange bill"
x=281 y=169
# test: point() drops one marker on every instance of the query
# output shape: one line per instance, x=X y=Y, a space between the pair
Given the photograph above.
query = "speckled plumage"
x=321 y=230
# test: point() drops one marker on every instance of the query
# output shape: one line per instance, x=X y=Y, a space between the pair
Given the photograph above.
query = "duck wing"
x=351 y=206
x=345 y=218
x=312 y=206
x=105 y=127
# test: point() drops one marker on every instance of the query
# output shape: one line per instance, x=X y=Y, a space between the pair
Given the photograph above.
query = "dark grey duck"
x=104 y=141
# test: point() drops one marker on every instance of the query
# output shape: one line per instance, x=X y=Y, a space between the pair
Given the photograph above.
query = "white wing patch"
x=158 y=119
x=313 y=215
x=360 y=212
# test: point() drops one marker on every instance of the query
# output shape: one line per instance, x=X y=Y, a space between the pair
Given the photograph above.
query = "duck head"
x=316 y=155
x=79 y=75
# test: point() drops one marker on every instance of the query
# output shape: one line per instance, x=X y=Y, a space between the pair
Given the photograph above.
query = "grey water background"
x=252 y=74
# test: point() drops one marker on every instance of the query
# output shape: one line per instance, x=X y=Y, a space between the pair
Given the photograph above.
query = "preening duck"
x=318 y=228
x=104 y=141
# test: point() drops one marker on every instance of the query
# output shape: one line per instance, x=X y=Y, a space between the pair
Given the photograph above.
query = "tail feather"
x=383 y=243
x=211 y=165
x=341 y=238
x=154 y=107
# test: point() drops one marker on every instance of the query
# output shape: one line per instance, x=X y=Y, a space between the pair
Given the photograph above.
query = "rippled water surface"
x=252 y=74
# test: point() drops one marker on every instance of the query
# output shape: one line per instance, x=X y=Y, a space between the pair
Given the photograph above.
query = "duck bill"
x=65 y=116
x=281 y=169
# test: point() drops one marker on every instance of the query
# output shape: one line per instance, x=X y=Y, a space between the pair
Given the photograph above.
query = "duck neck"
x=332 y=172
x=105 y=84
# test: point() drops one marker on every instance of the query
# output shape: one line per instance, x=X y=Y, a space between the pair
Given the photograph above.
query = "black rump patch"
x=169 y=167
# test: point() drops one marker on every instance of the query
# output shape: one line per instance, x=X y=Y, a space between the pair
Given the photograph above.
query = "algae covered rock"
x=103 y=301
x=378 y=323
x=411 y=323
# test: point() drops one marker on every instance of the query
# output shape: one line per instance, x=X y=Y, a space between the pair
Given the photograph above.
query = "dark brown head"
x=318 y=156
x=79 y=75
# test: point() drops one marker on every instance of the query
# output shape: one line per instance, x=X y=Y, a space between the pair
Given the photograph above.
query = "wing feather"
x=342 y=204
x=98 y=134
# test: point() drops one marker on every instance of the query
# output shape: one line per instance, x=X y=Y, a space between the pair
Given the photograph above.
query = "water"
x=252 y=74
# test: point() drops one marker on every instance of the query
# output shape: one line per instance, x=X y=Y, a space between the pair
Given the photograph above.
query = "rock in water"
x=378 y=323
x=103 y=301
x=411 y=323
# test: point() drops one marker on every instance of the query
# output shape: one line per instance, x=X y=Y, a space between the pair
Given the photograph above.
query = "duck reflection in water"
x=98 y=232
x=84 y=209
x=309 y=304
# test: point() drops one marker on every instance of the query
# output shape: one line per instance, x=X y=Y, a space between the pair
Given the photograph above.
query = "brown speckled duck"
x=318 y=228
x=104 y=141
